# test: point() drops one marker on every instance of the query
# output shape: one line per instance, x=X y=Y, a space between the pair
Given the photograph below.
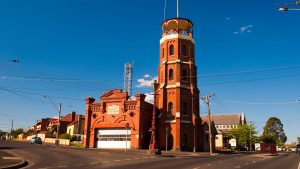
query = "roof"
x=68 y=118
x=224 y=119
x=74 y=122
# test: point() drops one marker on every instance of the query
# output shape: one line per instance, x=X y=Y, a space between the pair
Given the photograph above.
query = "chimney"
x=73 y=116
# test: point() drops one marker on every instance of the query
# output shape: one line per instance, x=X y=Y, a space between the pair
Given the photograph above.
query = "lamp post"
x=167 y=135
x=126 y=127
x=288 y=9
x=153 y=148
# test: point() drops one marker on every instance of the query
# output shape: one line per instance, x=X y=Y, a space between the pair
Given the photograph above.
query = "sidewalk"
x=9 y=160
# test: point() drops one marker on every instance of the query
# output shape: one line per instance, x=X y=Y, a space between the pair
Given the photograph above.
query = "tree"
x=242 y=134
x=268 y=138
x=16 y=132
x=274 y=127
x=2 y=133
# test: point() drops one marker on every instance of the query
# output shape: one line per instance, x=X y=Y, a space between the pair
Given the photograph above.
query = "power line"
x=260 y=103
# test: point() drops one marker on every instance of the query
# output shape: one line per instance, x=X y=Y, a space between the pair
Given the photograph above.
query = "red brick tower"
x=177 y=94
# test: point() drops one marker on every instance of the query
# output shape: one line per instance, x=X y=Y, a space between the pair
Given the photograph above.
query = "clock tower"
x=177 y=94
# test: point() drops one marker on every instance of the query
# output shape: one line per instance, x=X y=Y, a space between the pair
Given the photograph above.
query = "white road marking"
x=136 y=158
x=253 y=162
x=237 y=166
x=11 y=158
x=117 y=160
x=94 y=163
x=127 y=159
x=196 y=168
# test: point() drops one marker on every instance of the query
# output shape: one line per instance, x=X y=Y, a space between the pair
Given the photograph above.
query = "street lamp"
x=288 y=9
x=126 y=127
x=153 y=148
x=58 y=123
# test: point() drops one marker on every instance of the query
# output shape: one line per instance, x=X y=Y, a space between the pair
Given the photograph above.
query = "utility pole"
x=207 y=100
x=12 y=127
x=250 y=148
x=58 y=125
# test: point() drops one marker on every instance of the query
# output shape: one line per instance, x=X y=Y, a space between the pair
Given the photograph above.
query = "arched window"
x=183 y=50
x=171 y=50
x=171 y=74
x=184 y=108
x=170 y=108
x=184 y=75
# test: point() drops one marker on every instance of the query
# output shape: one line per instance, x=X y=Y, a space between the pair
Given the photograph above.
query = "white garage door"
x=113 y=138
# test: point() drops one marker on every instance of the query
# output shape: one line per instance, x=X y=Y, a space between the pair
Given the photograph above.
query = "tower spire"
x=177 y=8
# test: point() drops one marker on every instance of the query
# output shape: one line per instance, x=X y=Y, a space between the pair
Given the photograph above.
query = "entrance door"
x=114 y=138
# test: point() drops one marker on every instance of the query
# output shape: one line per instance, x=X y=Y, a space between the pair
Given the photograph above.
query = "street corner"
x=9 y=160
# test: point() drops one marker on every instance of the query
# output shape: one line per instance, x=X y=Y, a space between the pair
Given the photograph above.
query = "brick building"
x=116 y=118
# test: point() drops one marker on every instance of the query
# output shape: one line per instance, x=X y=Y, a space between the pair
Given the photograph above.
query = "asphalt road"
x=50 y=157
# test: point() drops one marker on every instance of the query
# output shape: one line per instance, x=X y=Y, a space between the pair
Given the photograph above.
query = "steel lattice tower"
x=128 y=68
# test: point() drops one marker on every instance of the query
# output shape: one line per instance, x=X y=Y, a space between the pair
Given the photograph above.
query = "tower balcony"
x=179 y=26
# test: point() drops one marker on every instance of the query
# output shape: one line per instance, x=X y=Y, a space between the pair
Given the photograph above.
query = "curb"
x=23 y=163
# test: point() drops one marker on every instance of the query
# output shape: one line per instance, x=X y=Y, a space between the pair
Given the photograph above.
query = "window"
x=171 y=50
x=162 y=52
x=162 y=76
x=183 y=50
x=170 y=108
x=184 y=108
x=184 y=75
x=171 y=74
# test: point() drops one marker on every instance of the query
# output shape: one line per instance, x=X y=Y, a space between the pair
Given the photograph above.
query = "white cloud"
x=145 y=82
x=147 y=76
x=149 y=98
x=228 y=18
x=244 y=29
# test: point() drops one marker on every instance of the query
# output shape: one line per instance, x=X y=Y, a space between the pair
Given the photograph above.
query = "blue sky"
x=73 y=49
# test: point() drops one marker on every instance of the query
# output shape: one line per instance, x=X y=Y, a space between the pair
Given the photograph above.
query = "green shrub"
x=65 y=136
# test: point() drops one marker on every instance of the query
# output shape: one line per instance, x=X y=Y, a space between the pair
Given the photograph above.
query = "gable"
x=114 y=95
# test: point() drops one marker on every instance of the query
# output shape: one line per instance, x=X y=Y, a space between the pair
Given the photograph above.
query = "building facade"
x=177 y=94
x=224 y=123
x=117 y=122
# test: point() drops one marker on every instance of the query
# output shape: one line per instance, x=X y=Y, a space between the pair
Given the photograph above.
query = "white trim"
x=178 y=114
x=176 y=36
x=185 y=121
x=170 y=121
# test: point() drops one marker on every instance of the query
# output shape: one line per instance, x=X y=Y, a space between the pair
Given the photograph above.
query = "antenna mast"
x=128 y=78
x=177 y=8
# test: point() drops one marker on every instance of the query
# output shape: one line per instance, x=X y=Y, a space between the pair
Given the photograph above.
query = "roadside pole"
x=207 y=100
x=167 y=134
x=58 y=125
x=250 y=148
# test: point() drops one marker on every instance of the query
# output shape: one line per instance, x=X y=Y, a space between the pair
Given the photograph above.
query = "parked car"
x=35 y=140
